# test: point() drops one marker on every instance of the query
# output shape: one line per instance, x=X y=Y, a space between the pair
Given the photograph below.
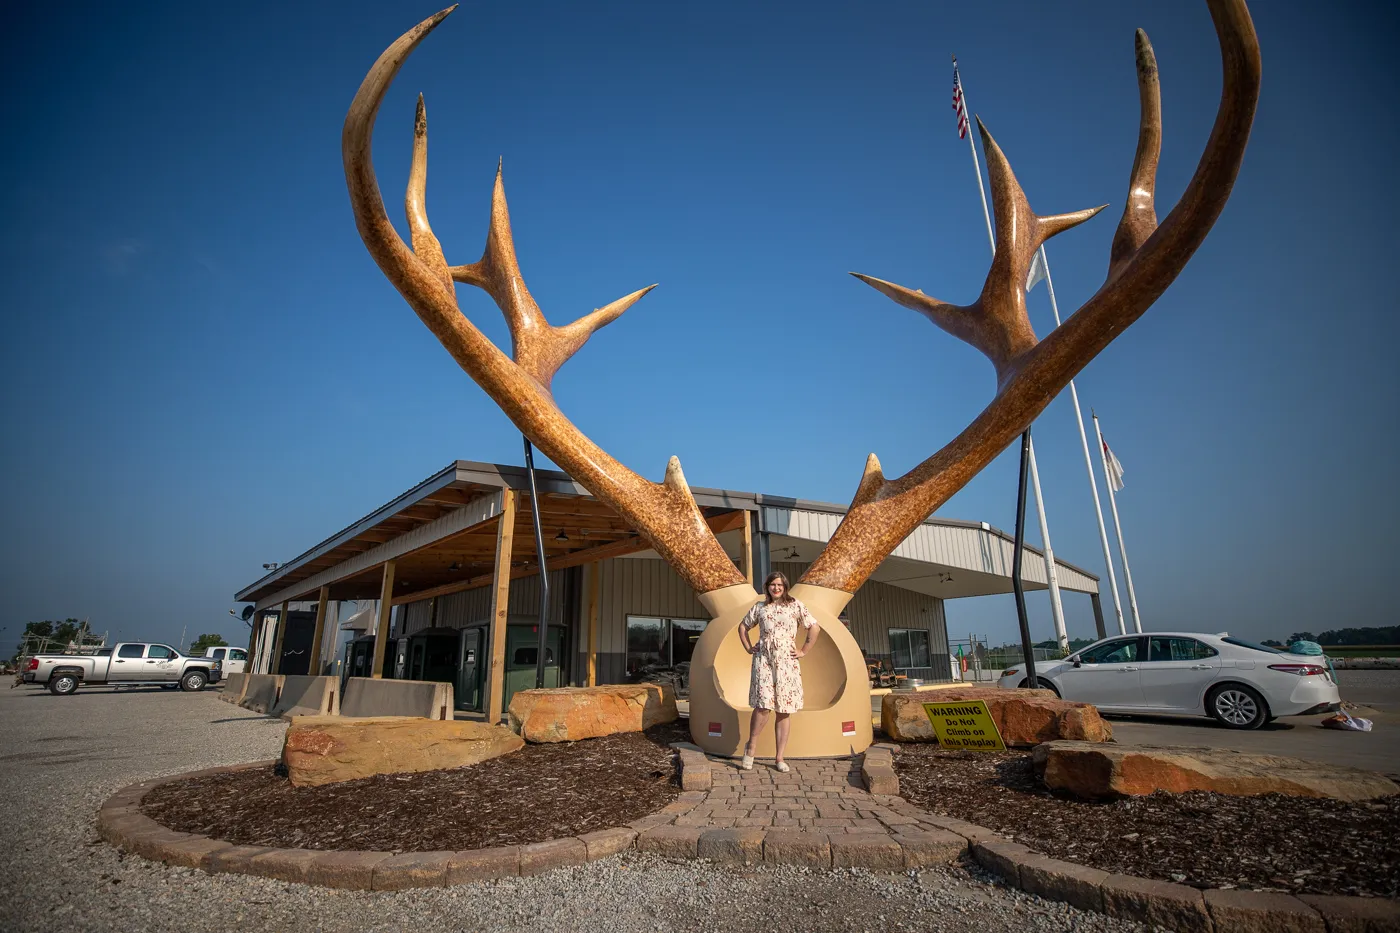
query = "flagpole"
x=1088 y=461
x=1117 y=526
x=1057 y=609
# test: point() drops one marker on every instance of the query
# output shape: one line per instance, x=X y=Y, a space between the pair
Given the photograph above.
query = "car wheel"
x=1237 y=707
x=192 y=682
x=1047 y=685
x=62 y=685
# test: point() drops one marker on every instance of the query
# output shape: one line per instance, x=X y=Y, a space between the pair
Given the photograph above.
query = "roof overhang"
x=442 y=536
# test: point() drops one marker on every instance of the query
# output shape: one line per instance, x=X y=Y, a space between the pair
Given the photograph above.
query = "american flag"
x=959 y=105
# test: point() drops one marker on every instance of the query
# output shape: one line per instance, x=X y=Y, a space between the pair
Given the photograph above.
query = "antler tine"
x=664 y=514
x=996 y=323
x=1146 y=258
x=1140 y=212
x=536 y=345
x=425 y=243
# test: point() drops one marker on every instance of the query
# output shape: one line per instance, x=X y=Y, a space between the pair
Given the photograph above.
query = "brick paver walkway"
x=825 y=795
x=818 y=814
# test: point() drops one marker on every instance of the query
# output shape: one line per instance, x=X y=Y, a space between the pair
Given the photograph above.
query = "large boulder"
x=566 y=714
x=1095 y=771
x=1023 y=717
x=326 y=749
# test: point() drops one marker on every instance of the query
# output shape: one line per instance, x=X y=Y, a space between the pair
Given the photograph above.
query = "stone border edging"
x=923 y=841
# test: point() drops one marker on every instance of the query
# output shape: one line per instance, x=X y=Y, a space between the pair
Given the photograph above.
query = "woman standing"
x=775 y=682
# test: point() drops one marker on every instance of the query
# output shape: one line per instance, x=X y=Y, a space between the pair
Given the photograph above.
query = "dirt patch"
x=539 y=793
x=1266 y=843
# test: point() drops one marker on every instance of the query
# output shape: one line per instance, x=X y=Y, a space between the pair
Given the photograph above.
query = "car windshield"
x=1241 y=643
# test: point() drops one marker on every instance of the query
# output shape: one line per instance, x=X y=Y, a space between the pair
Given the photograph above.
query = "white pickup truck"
x=131 y=663
x=235 y=659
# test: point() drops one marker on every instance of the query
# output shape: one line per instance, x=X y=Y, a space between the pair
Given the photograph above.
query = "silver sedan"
x=1239 y=683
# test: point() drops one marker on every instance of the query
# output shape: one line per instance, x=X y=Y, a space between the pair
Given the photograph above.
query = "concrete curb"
x=917 y=840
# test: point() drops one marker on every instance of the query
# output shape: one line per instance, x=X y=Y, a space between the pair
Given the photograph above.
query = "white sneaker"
x=782 y=766
x=746 y=763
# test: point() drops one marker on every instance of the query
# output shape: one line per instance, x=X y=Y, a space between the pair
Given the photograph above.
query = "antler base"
x=835 y=719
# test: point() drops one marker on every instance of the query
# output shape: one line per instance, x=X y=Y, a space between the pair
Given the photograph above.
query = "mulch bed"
x=1266 y=843
x=538 y=793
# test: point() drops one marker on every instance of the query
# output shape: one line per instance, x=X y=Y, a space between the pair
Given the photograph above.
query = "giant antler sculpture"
x=1145 y=258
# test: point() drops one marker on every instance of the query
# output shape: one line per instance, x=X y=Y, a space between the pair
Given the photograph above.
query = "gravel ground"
x=62 y=756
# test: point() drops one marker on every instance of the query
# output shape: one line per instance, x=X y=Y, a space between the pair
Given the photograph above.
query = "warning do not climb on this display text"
x=965 y=725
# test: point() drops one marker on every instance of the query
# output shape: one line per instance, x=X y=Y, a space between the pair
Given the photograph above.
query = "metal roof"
x=437 y=499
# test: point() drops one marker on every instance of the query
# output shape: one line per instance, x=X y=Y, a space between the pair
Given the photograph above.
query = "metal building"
x=457 y=552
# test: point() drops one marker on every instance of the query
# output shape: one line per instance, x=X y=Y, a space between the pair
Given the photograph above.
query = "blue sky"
x=204 y=370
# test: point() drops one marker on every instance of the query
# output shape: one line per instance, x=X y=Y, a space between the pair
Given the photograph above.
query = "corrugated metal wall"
x=878 y=607
x=632 y=586
x=965 y=546
x=473 y=607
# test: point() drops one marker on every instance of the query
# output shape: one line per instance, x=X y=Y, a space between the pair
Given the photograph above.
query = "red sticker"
x=717 y=729
x=848 y=727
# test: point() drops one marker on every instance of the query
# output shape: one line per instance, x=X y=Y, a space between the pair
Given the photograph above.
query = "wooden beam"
x=593 y=578
x=746 y=550
x=386 y=609
x=315 y=668
x=630 y=545
x=500 y=607
x=275 y=662
x=727 y=521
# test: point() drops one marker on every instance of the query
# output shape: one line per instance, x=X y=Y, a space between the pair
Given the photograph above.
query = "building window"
x=909 y=647
x=660 y=645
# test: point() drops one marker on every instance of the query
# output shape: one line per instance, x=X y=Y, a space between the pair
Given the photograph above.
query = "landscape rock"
x=326 y=749
x=566 y=714
x=1023 y=717
x=1093 y=770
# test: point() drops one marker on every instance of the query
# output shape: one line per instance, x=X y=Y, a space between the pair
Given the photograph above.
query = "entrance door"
x=468 y=688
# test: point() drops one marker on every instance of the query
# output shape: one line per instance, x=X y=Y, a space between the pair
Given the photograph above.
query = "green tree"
x=1272 y=643
x=210 y=640
x=58 y=634
x=1301 y=636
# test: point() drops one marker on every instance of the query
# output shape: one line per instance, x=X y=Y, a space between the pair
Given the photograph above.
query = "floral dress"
x=776 y=679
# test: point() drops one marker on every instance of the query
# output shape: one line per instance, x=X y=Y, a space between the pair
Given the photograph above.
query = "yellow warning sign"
x=965 y=724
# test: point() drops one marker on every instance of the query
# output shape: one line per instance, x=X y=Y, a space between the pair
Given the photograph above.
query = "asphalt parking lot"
x=1298 y=736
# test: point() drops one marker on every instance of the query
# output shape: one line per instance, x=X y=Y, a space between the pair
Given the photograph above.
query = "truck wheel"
x=193 y=682
x=62 y=685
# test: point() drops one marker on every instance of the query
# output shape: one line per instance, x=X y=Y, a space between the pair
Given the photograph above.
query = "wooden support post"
x=386 y=609
x=274 y=663
x=315 y=669
x=746 y=550
x=594 y=575
x=500 y=606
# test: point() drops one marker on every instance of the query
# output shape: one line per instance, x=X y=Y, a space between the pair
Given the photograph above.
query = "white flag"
x=1113 y=468
x=1037 y=273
